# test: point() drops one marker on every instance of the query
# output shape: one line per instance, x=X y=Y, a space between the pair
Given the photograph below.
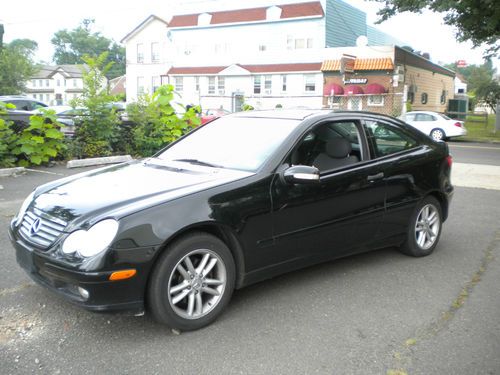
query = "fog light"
x=83 y=292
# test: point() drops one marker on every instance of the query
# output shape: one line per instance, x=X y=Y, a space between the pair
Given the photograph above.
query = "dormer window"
x=273 y=13
x=204 y=19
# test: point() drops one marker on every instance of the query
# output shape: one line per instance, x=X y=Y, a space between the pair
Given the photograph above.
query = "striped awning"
x=360 y=64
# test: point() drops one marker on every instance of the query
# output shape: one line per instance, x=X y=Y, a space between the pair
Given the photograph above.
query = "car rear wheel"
x=438 y=134
x=424 y=229
x=192 y=282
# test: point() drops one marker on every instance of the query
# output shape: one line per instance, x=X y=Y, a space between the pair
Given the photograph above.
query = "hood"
x=135 y=184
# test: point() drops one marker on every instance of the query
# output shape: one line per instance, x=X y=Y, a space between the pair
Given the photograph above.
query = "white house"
x=460 y=84
x=148 y=56
x=56 y=85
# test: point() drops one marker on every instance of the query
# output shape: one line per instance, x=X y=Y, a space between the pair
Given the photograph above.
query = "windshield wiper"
x=199 y=162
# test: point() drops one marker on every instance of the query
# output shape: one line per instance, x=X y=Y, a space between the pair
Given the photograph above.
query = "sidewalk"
x=476 y=176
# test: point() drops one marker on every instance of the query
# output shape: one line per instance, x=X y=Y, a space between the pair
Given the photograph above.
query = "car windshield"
x=232 y=142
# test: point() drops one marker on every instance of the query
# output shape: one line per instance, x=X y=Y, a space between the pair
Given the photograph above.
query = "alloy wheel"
x=196 y=284
x=427 y=226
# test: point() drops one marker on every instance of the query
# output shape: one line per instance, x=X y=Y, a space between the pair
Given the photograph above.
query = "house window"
x=140 y=52
x=211 y=85
x=257 y=85
x=179 y=83
x=156 y=83
x=262 y=47
x=47 y=83
x=283 y=83
x=289 y=42
x=309 y=43
x=33 y=82
x=58 y=83
x=221 y=85
x=443 y=97
x=140 y=85
x=300 y=43
x=197 y=84
x=268 y=84
x=310 y=83
x=155 y=52
x=376 y=100
x=47 y=98
x=75 y=83
x=424 y=97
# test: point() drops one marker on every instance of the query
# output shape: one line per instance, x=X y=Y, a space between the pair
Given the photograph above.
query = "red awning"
x=333 y=87
x=375 y=89
x=353 y=90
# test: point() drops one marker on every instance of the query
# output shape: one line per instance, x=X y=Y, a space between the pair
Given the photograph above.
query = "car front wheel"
x=424 y=229
x=438 y=134
x=192 y=282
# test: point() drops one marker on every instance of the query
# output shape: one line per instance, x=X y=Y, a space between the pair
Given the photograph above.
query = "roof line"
x=142 y=24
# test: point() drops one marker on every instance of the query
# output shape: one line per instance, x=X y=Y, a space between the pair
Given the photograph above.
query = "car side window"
x=424 y=117
x=329 y=146
x=385 y=139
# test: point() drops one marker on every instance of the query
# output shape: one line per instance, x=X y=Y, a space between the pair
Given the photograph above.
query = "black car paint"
x=270 y=226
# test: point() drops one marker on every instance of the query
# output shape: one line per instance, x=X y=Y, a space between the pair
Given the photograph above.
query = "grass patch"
x=477 y=131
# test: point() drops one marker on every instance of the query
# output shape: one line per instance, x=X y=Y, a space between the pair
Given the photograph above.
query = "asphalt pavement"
x=375 y=313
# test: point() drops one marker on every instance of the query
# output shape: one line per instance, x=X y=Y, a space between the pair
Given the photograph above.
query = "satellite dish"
x=362 y=41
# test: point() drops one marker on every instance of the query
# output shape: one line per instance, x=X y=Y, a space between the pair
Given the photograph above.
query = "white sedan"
x=436 y=125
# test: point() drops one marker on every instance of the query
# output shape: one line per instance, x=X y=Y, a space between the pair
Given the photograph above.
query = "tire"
x=181 y=296
x=424 y=228
x=438 y=134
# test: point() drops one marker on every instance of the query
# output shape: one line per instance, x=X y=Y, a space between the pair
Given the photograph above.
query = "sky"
x=115 y=18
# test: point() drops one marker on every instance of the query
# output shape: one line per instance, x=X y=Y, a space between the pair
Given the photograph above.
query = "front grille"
x=49 y=228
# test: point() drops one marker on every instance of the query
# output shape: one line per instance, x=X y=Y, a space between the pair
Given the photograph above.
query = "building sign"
x=356 y=81
x=347 y=63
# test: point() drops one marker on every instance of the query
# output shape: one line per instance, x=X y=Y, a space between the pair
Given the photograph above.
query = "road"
x=475 y=153
x=375 y=313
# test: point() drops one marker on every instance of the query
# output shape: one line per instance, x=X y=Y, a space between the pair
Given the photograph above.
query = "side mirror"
x=301 y=174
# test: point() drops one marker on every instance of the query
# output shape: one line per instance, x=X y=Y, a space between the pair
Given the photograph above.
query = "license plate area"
x=25 y=260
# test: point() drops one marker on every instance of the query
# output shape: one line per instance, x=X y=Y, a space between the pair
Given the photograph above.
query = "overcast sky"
x=114 y=19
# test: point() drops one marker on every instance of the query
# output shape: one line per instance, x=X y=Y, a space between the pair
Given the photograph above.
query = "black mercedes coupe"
x=244 y=198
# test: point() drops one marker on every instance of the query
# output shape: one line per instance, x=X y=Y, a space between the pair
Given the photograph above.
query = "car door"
x=400 y=157
x=331 y=218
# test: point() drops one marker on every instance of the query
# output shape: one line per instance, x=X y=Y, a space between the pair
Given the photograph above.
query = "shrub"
x=157 y=123
x=40 y=141
x=7 y=141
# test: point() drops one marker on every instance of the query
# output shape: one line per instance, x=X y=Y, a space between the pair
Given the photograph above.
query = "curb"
x=7 y=172
x=77 y=163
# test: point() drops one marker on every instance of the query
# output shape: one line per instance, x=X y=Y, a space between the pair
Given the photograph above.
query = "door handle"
x=375 y=177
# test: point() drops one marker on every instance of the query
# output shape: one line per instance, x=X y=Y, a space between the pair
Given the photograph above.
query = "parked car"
x=20 y=116
x=242 y=199
x=436 y=125
x=211 y=114
x=22 y=103
x=67 y=115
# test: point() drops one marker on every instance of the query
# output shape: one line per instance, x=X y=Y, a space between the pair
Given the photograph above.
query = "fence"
x=388 y=104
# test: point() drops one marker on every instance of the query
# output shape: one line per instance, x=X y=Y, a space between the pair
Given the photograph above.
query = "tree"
x=481 y=82
x=16 y=65
x=477 y=21
x=71 y=46
x=98 y=129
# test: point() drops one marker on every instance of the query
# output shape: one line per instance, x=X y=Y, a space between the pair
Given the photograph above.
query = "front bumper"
x=103 y=294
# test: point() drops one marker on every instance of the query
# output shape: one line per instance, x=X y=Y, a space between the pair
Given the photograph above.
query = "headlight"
x=24 y=207
x=93 y=241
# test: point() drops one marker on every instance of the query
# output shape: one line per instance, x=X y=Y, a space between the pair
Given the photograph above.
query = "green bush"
x=40 y=141
x=156 y=122
x=7 y=141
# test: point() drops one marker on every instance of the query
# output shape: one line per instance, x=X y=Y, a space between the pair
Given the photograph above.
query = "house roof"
x=384 y=63
x=299 y=10
x=263 y=68
x=405 y=57
x=141 y=25
x=67 y=70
